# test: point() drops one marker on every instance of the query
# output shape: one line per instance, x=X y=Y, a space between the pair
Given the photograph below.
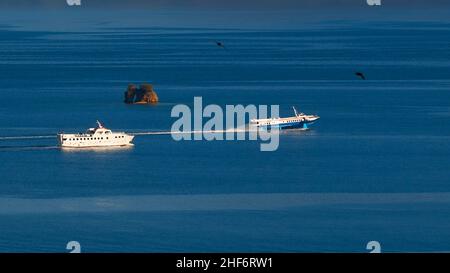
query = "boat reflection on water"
x=106 y=149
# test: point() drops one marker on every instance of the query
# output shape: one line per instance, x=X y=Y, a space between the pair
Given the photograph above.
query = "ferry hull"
x=296 y=125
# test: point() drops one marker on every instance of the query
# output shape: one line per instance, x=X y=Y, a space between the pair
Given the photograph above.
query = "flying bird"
x=220 y=44
x=361 y=75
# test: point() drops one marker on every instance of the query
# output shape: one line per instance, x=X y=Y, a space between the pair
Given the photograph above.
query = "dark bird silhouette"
x=220 y=44
x=361 y=75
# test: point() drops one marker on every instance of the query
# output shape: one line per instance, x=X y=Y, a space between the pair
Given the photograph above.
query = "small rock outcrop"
x=143 y=94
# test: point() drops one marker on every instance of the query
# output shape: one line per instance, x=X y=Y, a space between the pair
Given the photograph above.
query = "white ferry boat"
x=95 y=137
x=300 y=120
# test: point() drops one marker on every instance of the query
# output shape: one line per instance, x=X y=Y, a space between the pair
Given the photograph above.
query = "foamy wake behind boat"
x=300 y=120
x=95 y=137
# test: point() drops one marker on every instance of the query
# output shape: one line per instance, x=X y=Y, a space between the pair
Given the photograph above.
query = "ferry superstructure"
x=300 y=120
x=95 y=137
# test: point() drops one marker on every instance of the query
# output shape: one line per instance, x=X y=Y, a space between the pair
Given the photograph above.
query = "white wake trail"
x=236 y=130
x=26 y=137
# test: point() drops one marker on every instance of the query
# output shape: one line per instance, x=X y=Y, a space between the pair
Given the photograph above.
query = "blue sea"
x=374 y=168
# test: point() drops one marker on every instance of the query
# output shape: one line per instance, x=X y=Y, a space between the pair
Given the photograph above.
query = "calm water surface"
x=376 y=166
